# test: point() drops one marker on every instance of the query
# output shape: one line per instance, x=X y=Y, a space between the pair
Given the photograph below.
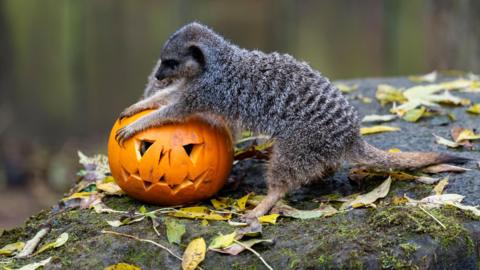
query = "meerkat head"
x=187 y=52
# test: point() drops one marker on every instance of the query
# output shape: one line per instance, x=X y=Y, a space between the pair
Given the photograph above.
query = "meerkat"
x=313 y=126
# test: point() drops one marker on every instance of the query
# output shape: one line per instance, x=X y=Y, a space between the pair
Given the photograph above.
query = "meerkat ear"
x=197 y=53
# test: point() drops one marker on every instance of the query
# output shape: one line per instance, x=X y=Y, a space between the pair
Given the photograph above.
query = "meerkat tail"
x=369 y=155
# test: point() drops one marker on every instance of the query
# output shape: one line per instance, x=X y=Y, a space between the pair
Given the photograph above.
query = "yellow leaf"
x=414 y=114
x=222 y=241
x=370 y=197
x=204 y=222
x=110 y=188
x=60 y=241
x=79 y=195
x=11 y=248
x=475 y=109
x=201 y=212
x=345 y=88
x=387 y=94
x=219 y=204
x=242 y=202
x=438 y=189
x=377 y=129
x=394 y=150
x=378 y=118
x=272 y=218
x=122 y=266
x=467 y=134
x=194 y=254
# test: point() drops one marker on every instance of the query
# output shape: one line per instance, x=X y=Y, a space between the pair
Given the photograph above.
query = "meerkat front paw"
x=125 y=133
x=130 y=111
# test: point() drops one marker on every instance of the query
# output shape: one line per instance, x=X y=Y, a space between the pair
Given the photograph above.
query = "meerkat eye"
x=170 y=63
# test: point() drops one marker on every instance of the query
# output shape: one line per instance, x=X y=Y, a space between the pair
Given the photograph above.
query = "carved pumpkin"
x=172 y=164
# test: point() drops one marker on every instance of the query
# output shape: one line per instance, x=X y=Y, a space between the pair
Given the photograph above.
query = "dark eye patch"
x=170 y=63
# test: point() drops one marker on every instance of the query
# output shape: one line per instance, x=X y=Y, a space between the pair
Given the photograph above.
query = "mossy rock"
x=387 y=237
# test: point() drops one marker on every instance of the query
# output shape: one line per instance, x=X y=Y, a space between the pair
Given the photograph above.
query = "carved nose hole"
x=144 y=145
x=188 y=148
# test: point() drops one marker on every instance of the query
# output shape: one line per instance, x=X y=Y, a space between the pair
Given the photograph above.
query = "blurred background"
x=68 y=67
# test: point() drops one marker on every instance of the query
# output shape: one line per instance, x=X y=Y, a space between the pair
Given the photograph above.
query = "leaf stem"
x=254 y=252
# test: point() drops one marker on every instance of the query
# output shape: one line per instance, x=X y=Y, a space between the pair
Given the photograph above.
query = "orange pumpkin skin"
x=183 y=163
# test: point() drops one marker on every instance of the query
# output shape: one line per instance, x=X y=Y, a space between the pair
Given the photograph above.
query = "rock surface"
x=388 y=237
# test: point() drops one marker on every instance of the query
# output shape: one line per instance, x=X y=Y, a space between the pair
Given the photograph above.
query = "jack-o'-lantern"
x=172 y=164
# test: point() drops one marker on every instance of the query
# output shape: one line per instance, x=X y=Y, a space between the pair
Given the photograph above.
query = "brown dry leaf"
x=194 y=254
x=439 y=168
x=377 y=129
x=438 y=189
x=370 y=197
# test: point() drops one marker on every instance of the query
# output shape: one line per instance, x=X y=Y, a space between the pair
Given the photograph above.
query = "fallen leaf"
x=236 y=249
x=124 y=221
x=475 y=109
x=200 y=212
x=242 y=202
x=446 y=142
x=79 y=195
x=414 y=114
x=194 y=254
x=389 y=94
x=439 y=168
x=95 y=167
x=378 y=118
x=109 y=186
x=429 y=77
x=60 y=241
x=394 y=150
x=288 y=211
x=370 y=197
x=467 y=134
x=377 y=129
x=175 y=231
x=204 y=222
x=35 y=265
x=221 y=203
x=440 y=186
x=271 y=219
x=122 y=266
x=222 y=241
x=11 y=249
x=345 y=88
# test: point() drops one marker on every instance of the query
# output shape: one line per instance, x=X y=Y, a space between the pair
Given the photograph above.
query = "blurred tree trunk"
x=454 y=34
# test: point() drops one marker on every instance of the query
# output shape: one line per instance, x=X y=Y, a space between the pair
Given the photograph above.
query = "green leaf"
x=175 y=231
x=414 y=114
x=222 y=241
x=60 y=241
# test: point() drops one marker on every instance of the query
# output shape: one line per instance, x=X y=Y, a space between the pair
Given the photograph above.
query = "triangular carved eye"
x=188 y=148
x=144 y=145
x=194 y=150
